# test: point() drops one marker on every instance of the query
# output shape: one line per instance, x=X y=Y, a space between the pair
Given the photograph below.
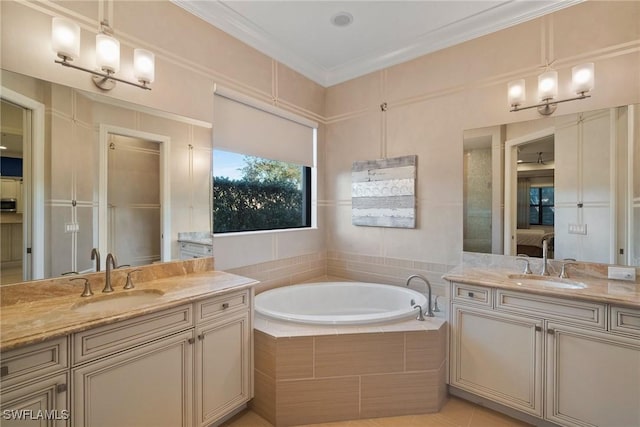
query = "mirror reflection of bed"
x=530 y=242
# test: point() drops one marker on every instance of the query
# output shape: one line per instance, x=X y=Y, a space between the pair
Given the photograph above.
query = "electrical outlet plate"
x=622 y=273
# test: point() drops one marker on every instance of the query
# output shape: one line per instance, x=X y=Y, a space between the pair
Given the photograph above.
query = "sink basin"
x=120 y=301
x=546 y=281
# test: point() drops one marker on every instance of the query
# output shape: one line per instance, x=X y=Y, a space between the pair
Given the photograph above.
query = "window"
x=541 y=206
x=263 y=166
x=253 y=193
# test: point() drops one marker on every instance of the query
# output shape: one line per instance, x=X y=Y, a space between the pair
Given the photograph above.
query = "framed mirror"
x=96 y=173
x=571 y=180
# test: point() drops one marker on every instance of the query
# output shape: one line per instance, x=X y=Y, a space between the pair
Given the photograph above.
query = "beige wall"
x=431 y=100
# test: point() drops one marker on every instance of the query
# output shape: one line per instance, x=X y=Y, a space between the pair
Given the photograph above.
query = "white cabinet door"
x=498 y=356
x=150 y=385
x=223 y=363
x=593 y=378
x=38 y=403
x=9 y=188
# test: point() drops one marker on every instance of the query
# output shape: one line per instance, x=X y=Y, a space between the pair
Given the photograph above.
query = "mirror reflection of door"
x=134 y=200
x=535 y=196
x=14 y=224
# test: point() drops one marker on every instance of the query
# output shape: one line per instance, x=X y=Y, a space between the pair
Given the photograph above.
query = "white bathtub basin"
x=339 y=303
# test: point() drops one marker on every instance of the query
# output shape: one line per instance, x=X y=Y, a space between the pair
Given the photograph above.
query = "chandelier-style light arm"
x=105 y=76
x=545 y=106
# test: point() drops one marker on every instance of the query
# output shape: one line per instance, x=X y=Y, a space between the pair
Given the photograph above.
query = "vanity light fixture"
x=65 y=41
x=582 y=77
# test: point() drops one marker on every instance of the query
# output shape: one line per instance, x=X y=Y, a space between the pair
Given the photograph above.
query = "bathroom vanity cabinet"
x=150 y=370
x=223 y=356
x=568 y=361
x=35 y=383
x=190 y=250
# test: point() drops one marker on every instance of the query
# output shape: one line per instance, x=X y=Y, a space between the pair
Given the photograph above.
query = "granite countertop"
x=36 y=311
x=598 y=289
x=198 y=237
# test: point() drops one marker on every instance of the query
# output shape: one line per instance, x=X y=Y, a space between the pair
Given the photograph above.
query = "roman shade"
x=244 y=125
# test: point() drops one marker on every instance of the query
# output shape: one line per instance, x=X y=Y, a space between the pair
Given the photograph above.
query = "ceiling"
x=300 y=33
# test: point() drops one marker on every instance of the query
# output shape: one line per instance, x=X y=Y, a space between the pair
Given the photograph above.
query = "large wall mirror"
x=82 y=171
x=572 y=180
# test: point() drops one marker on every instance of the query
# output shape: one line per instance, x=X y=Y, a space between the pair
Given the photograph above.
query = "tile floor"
x=455 y=413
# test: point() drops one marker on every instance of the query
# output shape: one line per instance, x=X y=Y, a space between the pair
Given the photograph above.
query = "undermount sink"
x=546 y=281
x=123 y=300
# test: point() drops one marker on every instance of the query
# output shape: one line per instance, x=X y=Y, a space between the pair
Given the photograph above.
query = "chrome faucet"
x=95 y=255
x=110 y=262
x=424 y=279
x=545 y=266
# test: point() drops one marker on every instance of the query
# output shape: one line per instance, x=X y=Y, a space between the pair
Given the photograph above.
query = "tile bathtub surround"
x=337 y=266
x=323 y=378
x=393 y=271
x=286 y=271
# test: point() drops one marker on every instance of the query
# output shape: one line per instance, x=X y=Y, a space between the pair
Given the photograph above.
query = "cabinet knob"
x=61 y=388
x=4 y=371
x=201 y=337
x=538 y=328
x=225 y=305
x=191 y=340
x=551 y=331
x=470 y=294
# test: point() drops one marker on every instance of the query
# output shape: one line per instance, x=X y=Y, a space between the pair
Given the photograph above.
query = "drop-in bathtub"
x=333 y=351
x=339 y=303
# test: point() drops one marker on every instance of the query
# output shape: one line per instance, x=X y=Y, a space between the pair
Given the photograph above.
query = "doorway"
x=529 y=193
x=22 y=175
x=134 y=196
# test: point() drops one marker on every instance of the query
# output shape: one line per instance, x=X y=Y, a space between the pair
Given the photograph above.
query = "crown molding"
x=497 y=18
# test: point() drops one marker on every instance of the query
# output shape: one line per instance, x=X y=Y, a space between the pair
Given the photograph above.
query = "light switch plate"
x=622 y=273
x=71 y=227
x=577 y=228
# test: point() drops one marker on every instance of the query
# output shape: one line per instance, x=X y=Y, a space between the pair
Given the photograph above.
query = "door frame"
x=511 y=186
x=165 y=196
x=33 y=185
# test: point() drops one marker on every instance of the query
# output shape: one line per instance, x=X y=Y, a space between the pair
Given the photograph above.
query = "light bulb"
x=548 y=85
x=144 y=65
x=516 y=92
x=582 y=77
x=65 y=38
x=107 y=53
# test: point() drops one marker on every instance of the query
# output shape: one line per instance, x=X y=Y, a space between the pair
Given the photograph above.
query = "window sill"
x=251 y=233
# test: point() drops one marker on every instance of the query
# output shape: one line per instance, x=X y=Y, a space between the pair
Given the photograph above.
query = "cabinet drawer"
x=582 y=312
x=33 y=361
x=624 y=320
x=97 y=342
x=470 y=293
x=218 y=306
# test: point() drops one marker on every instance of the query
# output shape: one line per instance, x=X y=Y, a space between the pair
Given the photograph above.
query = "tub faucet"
x=424 y=279
x=111 y=262
x=95 y=255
